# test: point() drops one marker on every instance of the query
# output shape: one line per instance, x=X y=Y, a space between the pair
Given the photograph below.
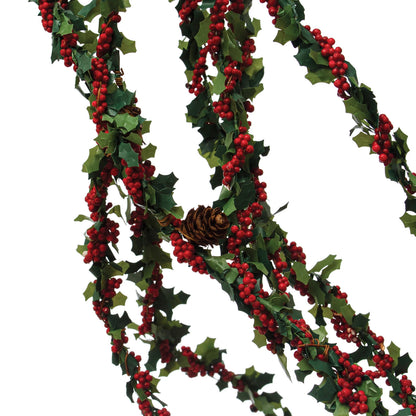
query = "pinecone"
x=205 y=225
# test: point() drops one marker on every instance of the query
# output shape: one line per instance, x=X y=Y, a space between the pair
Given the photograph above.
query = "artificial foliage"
x=257 y=267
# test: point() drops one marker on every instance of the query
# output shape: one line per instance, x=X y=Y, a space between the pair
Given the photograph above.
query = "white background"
x=55 y=354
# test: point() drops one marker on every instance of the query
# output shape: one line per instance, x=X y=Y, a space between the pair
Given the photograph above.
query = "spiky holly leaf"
x=168 y=300
x=320 y=75
x=363 y=140
x=325 y=392
x=89 y=291
x=117 y=322
x=92 y=164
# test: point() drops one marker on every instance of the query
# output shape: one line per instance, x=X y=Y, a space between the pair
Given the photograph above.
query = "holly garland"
x=257 y=266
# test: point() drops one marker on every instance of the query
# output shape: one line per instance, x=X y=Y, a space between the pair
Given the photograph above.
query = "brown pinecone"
x=205 y=225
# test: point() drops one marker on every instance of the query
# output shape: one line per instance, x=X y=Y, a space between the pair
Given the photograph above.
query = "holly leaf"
x=208 y=351
x=164 y=186
x=202 y=36
x=219 y=82
x=403 y=363
x=92 y=164
x=359 y=110
x=119 y=300
x=126 y=122
x=127 y=46
x=168 y=300
x=259 y=339
x=117 y=322
x=409 y=221
x=126 y=152
x=148 y=152
x=320 y=75
x=325 y=392
x=89 y=291
x=363 y=140
x=301 y=273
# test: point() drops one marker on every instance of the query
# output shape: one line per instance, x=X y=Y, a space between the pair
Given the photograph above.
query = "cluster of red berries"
x=343 y=330
x=237 y=6
x=296 y=253
x=106 y=36
x=382 y=142
x=117 y=344
x=196 y=367
x=152 y=293
x=165 y=351
x=282 y=280
x=273 y=8
x=185 y=253
x=100 y=77
x=68 y=42
x=242 y=148
x=102 y=307
x=407 y=389
x=336 y=61
x=243 y=231
x=99 y=239
x=46 y=10
x=186 y=10
x=383 y=362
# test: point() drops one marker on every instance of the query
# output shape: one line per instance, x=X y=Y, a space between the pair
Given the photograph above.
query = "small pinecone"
x=205 y=225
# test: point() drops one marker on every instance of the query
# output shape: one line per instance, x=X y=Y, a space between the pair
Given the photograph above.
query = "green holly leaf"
x=117 y=98
x=117 y=322
x=126 y=122
x=326 y=391
x=357 y=109
x=256 y=380
x=289 y=33
x=403 y=363
x=89 y=291
x=301 y=273
x=219 y=83
x=119 y=300
x=92 y=164
x=341 y=409
x=320 y=75
x=409 y=221
x=108 y=141
x=81 y=218
x=148 y=151
x=83 y=60
x=89 y=40
x=168 y=300
x=164 y=186
x=126 y=152
x=259 y=339
x=363 y=139
x=127 y=46
x=90 y=10
x=208 y=351
x=154 y=254
x=202 y=36
x=230 y=47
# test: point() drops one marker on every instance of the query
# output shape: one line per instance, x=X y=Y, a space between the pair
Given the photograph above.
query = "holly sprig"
x=257 y=266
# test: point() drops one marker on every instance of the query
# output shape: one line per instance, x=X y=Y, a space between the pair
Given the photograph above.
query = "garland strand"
x=253 y=247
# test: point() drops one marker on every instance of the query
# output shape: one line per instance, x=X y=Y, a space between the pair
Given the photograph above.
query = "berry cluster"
x=46 y=10
x=382 y=142
x=273 y=8
x=108 y=230
x=185 y=253
x=68 y=42
x=165 y=351
x=407 y=389
x=102 y=307
x=343 y=330
x=243 y=148
x=100 y=77
x=106 y=36
x=282 y=280
x=152 y=293
x=186 y=10
x=336 y=61
x=233 y=73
